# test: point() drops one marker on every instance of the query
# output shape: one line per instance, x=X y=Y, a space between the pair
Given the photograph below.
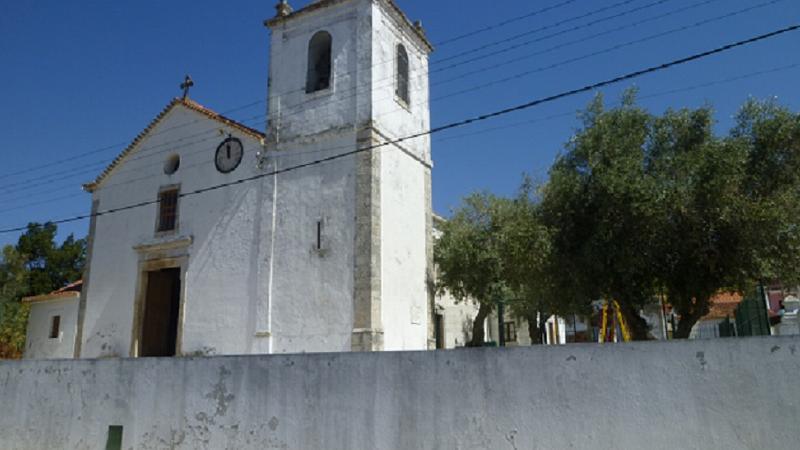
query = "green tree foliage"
x=491 y=251
x=49 y=266
x=730 y=205
x=702 y=238
x=642 y=204
x=13 y=323
x=468 y=259
x=524 y=244
x=601 y=208
x=770 y=136
x=36 y=265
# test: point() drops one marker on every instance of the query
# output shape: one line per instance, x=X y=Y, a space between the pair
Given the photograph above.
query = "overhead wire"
x=342 y=99
x=442 y=139
x=3 y=188
x=425 y=86
x=606 y=50
x=390 y=79
x=114 y=146
x=638 y=97
x=503 y=23
x=452 y=125
x=5 y=191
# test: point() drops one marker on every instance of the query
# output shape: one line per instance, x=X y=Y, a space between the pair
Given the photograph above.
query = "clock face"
x=229 y=155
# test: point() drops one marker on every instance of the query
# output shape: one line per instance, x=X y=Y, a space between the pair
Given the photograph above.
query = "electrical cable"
x=452 y=125
x=248 y=105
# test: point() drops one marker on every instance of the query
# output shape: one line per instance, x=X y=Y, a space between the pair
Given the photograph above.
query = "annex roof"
x=184 y=102
x=72 y=290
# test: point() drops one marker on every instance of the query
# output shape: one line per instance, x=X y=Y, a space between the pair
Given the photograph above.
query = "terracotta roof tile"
x=723 y=305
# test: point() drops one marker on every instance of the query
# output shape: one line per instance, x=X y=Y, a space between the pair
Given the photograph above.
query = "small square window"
x=55 y=327
x=167 y=210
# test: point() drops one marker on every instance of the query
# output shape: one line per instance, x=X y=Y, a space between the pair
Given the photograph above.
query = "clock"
x=229 y=155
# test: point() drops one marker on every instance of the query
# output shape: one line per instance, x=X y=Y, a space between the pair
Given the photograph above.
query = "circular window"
x=172 y=164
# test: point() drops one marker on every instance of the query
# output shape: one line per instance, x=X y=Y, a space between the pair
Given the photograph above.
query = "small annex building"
x=53 y=323
x=308 y=233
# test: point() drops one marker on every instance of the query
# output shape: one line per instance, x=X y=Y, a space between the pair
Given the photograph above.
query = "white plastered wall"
x=224 y=280
x=38 y=343
x=404 y=304
x=312 y=289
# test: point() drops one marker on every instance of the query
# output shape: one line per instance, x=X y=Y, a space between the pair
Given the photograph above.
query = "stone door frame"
x=153 y=257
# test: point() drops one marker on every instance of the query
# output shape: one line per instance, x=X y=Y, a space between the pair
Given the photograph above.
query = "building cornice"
x=414 y=31
x=180 y=242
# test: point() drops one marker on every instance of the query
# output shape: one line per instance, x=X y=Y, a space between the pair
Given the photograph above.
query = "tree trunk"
x=477 y=326
x=686 y=323
x=543 y=326
x=638 y=327
x=533 y=329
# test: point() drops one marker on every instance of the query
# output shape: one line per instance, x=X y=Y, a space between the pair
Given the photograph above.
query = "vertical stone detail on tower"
x=367 y=326
x=430 y=274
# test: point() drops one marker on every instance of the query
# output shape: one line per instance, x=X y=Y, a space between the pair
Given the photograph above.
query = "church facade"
x=311 y=235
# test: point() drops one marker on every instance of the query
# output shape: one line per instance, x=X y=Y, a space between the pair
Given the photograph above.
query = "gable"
x=162 y=117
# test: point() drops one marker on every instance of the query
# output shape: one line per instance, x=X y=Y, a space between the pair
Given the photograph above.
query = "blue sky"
x=79 y=77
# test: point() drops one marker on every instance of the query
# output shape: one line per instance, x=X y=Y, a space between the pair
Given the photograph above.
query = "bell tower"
x=352 y=250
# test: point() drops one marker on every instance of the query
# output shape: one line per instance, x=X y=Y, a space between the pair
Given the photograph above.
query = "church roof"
x=185 y=102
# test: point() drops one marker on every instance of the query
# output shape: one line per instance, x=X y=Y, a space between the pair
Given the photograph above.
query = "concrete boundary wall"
x=724 y=393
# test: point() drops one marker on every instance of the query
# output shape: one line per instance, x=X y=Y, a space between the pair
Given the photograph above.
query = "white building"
x=287 y=253
x=53 y=323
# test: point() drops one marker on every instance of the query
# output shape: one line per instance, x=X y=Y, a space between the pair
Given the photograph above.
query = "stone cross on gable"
x=186 y=85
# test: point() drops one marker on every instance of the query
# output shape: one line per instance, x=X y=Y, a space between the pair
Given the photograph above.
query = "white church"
x=305 y=243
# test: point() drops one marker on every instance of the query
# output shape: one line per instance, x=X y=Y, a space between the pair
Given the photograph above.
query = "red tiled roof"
x=190 y=104
x=723 y=305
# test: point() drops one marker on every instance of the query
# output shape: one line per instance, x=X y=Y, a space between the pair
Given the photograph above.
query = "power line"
x=448 y=138
x=503 y=23
x=449 y=126
x=607 y=50
x=248 y=105
x=585 y=56
x=107 y=161
x=355 y=89
x=579 y=27
x=536 y=30
x=491 y=83
x=433 y=63
x=118 y=145
x=355 y=93
x=643 y=97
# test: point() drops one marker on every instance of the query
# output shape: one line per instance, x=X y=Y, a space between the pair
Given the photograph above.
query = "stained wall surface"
x=38 y=342
x=723 y=393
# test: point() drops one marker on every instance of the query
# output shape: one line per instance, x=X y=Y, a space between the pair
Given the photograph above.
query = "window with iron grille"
x=167 y=210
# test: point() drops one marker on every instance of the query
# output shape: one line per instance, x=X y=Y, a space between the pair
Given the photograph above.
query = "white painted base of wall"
x=723 y=393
